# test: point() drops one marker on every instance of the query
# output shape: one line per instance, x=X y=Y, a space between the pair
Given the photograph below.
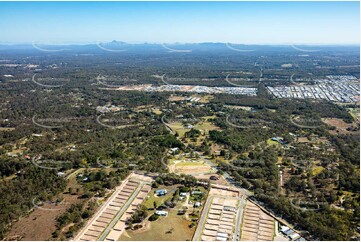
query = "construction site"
x=220 y=215
x=257 y=225
x=109 y=222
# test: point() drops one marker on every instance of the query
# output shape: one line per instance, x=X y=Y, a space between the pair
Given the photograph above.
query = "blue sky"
x=185 y=22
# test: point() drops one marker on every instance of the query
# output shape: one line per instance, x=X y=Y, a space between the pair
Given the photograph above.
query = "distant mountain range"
x=120 y=46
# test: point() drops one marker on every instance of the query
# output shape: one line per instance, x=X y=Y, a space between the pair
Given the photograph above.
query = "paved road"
x=74 y=173
x=260 y=76
x=167 y=125
x=203 y=218
x=237 y=232
x=120 y=213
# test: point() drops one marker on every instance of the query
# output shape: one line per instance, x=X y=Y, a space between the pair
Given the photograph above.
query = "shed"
x=161 y=213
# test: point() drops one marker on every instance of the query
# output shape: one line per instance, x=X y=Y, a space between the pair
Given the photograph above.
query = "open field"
x=221 y=180
x=156 y=111
x=191 y=167
x=172 y=227
x=246 y=108
x=316 y=170
x=272 y=142
x=203 y=99
x=178 y=128
x=41 y=223
x=205 y=125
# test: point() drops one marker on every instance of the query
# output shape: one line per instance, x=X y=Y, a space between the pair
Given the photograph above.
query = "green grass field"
x=149 y=202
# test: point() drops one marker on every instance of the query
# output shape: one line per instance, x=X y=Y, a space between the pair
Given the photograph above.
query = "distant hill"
x=118 y=46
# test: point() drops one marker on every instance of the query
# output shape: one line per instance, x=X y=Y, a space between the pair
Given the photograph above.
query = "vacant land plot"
x=206 y=124
x=178 y=128
x=156 y=111
x=190 y=167
x=41 y=223
x=224 y=191
x=273 y=142
x=175 y=98
x=247 y=108
x=206 y=98
x=317 y=170
x=257 y=225
x=341 y=126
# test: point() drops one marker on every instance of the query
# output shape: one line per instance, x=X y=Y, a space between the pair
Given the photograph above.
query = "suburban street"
x=237 y=232
x=202 y=220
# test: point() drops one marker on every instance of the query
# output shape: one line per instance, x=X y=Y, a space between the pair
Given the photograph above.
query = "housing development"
x=336 y=89
x=344 y=89
x=193 y=89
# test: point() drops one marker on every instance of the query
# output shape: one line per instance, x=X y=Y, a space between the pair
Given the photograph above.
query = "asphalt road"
x=203 y=218
x=237 y=233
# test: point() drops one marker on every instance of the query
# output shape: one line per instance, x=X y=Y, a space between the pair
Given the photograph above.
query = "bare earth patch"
x=341 y=126
x=40 y=224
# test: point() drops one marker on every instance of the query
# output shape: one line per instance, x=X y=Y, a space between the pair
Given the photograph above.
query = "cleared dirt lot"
x=40 y=224
x=191 y=168
x=341 y=126
x=257 y=225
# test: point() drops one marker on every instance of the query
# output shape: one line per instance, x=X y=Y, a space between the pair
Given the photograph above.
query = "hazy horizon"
x=173 y=43
x=249 y=23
